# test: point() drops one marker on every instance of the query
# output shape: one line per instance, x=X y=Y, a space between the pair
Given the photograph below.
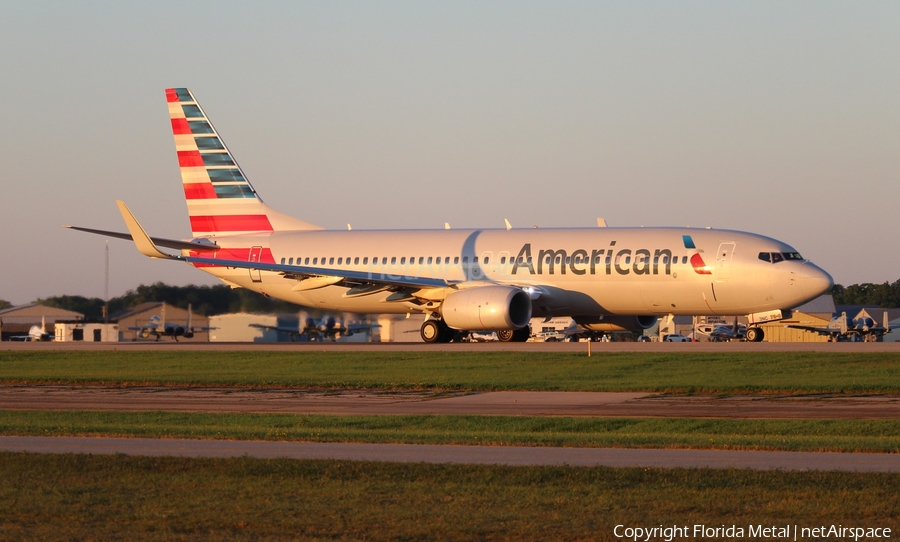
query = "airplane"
x=723 y=332
x=35 y=334
x=606 y=278
x=158 y=327
x=844 y=328
x=325 y=329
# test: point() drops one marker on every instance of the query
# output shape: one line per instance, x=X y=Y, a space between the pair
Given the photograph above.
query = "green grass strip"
x=791 y=435
x=796 y=372
x=83 y=497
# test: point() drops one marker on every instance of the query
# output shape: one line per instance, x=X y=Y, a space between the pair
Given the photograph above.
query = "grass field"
x=69 y=497
x=791 y=435
x=718 y=373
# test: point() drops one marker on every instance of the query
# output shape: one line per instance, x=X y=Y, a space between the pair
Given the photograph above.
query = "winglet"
x=141 y=239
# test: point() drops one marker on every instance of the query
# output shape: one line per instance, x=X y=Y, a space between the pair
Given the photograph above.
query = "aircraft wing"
x=280 y=329
x=819 y=330
x=308 y=271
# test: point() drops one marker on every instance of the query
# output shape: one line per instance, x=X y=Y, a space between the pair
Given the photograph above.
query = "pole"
x=106 y=287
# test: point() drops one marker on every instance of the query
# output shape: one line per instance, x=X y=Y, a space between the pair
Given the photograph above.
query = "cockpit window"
x=775 y=257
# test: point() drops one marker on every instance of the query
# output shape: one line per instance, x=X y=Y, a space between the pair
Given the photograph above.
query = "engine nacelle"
x=487 y=308
x=617 y=323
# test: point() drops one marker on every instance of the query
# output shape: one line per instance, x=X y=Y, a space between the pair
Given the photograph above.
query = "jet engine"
x=487 y=308
x=617 y=323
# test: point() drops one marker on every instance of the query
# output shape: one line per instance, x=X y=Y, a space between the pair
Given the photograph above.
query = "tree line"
x=204 y=300
x=221 y=299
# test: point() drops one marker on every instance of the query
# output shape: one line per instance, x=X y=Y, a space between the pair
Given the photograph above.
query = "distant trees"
x=205 y=300
x=885 y=295
x=4 y=304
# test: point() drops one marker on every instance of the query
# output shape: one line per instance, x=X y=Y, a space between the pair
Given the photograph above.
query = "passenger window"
x=487 y=260
x=330 y=261
x=315 y=261
x=456 y=259
x=306 y=261
x=421 y=260
x=430 y=259
x=438 y=261
x=384 y=260
x=366 y=260
x=291 y=261
x=465 y=259
x=356 y=260
x=502 y=260
x=393 y=260
x=340 y=261
x=403 y=260
x=282 y=261
x=684 y=259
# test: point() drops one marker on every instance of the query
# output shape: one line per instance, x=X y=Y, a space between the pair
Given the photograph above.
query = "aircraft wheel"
x=505 y=335
x=755 y=335
x=521 y=335
x=436 y=331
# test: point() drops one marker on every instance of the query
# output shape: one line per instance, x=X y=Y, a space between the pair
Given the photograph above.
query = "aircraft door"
x=255 y=256
x=723 y=262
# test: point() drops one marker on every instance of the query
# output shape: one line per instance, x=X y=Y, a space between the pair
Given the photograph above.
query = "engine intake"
x=487 y=308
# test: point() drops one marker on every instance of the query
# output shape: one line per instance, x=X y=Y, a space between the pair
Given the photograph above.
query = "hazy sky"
x=781 y=118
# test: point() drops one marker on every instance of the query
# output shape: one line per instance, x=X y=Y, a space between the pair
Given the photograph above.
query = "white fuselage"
x=577 y=272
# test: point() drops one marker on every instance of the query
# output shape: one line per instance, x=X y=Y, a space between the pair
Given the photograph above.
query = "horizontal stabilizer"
x=200 y=245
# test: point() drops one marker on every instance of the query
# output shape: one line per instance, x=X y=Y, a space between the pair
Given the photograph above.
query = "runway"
x=505 y=403
x=597 y=348
x=481 y=455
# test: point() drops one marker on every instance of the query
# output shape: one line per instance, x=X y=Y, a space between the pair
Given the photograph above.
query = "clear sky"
x=781 y=118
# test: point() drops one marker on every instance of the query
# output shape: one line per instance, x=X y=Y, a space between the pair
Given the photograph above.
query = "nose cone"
x=814 y=281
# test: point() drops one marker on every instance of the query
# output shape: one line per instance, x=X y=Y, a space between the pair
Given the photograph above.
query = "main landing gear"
x=755 y=335
x=436 y=331
x=514 y=335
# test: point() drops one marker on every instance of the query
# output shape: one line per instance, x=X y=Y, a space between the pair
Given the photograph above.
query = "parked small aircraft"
x=157 y=326
x=844 y=328
x=35 y=334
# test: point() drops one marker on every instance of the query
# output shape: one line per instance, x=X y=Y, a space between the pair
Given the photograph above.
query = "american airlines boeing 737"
x=607 y=279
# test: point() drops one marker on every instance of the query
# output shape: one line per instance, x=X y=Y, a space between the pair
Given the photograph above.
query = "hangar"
x=18 y=320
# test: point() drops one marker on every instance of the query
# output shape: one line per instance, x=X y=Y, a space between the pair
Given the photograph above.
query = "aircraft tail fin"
x=220 y=199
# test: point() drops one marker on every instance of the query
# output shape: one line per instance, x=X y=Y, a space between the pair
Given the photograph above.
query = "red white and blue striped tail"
x=220 y=199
